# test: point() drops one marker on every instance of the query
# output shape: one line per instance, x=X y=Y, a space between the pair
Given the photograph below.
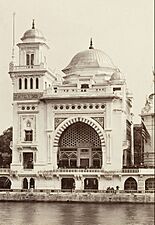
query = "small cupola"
x=33 y=35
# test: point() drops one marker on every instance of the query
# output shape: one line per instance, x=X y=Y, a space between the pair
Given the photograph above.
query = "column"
x=103 y=156
x=49 y=150
x=54 y=156
x=108 y=145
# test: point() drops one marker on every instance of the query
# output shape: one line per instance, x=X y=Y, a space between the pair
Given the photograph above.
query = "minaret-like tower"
x=29 y=78
x=148 y=120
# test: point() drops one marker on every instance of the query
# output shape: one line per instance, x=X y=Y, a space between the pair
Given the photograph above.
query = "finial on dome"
x=33 y=25
x=91 y=44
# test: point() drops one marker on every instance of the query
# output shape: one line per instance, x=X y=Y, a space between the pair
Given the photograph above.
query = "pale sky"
x=121 y=28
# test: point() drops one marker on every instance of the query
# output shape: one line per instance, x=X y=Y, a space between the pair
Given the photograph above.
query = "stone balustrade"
x=79 y=92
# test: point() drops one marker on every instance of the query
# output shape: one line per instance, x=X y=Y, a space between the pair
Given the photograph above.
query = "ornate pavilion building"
x=72 y=130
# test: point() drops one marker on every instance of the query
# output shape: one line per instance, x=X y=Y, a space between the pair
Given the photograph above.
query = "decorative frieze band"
x=27 y=96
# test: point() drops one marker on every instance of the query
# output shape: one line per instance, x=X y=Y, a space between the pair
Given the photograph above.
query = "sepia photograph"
x=77 y=115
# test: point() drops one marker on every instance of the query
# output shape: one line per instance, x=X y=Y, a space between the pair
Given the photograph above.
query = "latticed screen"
x=79 y=135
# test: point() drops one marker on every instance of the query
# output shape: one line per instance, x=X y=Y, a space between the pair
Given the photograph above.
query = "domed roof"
x=33 y=35
x=149 y=105
x=91 y=58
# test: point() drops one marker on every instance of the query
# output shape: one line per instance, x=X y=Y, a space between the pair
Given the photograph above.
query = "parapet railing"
x=76 y=191
x=28 y=67
x=97 y=171
x=77 y=170
x=83 y=91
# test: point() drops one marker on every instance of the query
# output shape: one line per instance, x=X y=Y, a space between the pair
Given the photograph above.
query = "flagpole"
x=13 y=37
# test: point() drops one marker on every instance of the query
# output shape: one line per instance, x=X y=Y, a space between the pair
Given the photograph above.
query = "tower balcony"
x=27 y=68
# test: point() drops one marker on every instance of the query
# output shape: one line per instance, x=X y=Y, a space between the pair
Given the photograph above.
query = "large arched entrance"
x=5 y=183
x=79 y=147
x=130 y=184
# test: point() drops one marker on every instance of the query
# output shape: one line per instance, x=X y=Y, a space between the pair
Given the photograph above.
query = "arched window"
x=25 y=82
x=37 y=83
x=31 y=83
x=32 y=183
x=25 y=183
x=130 y=184
x=150 y=184
x=20 y=83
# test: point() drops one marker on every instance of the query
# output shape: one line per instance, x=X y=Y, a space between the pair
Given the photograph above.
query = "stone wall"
x=78 y=197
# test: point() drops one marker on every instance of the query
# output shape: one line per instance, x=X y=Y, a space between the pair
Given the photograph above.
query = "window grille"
x=79 y=135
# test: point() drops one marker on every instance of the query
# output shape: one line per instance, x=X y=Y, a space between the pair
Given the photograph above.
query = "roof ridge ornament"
x=91 y=44
x=33 y=24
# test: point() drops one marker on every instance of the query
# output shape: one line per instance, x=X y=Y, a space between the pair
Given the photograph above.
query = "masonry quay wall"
x=78 y=197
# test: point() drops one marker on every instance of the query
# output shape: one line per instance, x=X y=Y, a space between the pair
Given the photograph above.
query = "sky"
x=124 y=29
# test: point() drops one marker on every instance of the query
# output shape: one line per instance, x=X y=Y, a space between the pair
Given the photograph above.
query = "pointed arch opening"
x=5 y=183
x=32 y=183
x=25 y=183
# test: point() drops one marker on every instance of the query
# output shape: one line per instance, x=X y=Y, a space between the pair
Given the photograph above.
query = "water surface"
x=23 y=213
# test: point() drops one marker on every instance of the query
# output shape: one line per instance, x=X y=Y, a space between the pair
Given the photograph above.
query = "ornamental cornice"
x=27 y=74
x=27 y=146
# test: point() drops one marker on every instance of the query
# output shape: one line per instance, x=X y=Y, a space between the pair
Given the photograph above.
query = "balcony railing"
x=130 y=170
x=79 y=92
x=76 y=171
x=41 y=66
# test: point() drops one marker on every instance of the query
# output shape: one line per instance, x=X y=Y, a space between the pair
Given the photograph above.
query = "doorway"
x=84 y=163
x=67 y=183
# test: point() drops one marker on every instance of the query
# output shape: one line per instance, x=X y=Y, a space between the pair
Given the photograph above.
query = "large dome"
x=89 y=59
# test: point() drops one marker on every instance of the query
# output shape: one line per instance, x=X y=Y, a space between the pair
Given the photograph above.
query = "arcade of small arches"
x=130 y=184
x=27 y=183
x=26 y=83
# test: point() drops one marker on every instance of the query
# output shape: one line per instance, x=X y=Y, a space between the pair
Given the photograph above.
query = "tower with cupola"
x=29 y=78
x=148 y=122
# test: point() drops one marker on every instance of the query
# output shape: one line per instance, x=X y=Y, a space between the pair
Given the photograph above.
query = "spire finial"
x=91 y=44
x=33 y=25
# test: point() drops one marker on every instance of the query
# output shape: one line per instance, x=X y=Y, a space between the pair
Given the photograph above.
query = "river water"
x=23 y=213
